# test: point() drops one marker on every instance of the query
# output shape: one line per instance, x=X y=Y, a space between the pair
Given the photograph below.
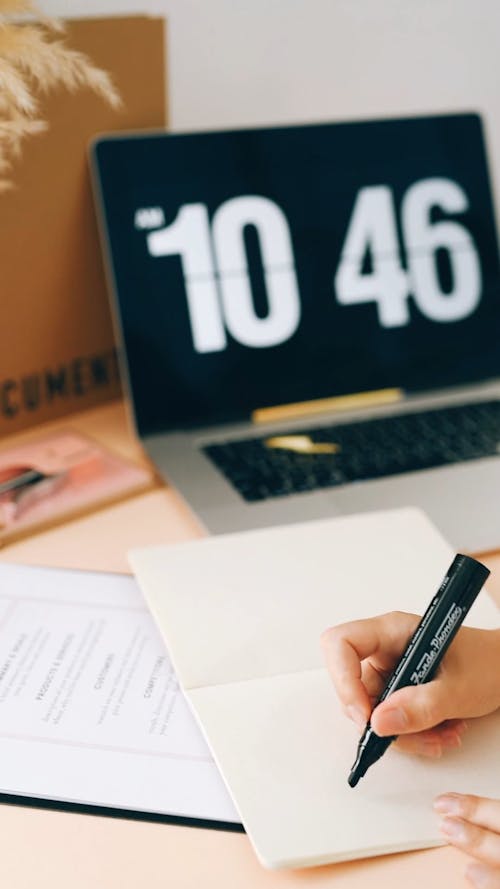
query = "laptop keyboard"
x=326 y=456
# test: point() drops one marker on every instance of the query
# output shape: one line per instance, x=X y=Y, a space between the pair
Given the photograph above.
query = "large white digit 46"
x=423 y=238
x=215 y=259
x=373 y=231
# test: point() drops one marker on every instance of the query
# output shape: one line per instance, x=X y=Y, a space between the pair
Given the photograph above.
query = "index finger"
x=382 y=638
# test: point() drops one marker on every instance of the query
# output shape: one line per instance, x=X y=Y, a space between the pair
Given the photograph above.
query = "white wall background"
x=238 y=62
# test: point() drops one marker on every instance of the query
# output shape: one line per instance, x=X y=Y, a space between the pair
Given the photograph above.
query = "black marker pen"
x=424 y=651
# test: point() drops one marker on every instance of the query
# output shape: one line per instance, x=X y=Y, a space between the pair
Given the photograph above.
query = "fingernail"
x=448 y=804
x=454 y=829
x=356 y=715
x=479 y=875
x=432 y=749
x=395 y=721
x=451 y=739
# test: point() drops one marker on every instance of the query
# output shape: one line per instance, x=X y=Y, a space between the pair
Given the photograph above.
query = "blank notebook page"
x=242 y=615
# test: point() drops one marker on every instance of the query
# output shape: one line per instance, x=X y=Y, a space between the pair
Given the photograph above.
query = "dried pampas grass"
x=33 y=60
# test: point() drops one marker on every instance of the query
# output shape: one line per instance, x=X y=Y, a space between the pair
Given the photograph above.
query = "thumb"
x=412 y=709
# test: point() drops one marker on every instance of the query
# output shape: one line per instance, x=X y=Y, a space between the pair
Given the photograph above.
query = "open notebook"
x=242 y=615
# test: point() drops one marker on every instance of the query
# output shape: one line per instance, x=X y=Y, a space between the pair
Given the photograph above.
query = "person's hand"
x=427 y=718
x=472 y=823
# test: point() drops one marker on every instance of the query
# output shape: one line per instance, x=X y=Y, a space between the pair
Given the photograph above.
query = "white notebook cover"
x=242 y=615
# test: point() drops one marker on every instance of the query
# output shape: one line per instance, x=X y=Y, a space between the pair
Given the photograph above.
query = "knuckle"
x=407 y=744
x=340 y=682
x=334 y=637
x=324 y=638
x=391 y=620
x=343 y=684
x=430 y=710
x=399 y=617
x=475 y=839
x=329 y=637
x=469 y=807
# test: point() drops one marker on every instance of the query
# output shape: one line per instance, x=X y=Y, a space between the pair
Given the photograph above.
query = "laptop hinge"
x=355 y=401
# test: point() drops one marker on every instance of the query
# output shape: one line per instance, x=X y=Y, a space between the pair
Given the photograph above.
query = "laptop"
x=309 y=318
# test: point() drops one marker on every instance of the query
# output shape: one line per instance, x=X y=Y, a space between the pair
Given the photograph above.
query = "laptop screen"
x=263 y=267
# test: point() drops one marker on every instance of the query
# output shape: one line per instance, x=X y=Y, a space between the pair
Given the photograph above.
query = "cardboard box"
x=57 y=350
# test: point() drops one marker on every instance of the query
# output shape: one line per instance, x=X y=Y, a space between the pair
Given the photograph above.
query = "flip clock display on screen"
x=312 y=261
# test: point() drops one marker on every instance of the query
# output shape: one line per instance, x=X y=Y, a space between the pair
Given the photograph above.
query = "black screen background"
x=313 y=173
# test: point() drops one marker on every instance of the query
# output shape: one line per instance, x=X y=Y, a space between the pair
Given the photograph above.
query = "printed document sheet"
x=90 y=707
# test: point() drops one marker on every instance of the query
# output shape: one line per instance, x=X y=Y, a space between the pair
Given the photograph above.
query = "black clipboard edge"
x=32 y=802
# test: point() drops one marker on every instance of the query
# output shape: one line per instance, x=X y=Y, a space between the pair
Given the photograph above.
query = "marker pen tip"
x=353 y=778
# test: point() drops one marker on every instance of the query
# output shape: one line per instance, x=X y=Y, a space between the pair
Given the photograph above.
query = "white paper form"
x=90 y=708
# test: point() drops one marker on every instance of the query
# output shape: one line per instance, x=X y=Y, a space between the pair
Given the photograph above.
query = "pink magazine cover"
x=61 y=476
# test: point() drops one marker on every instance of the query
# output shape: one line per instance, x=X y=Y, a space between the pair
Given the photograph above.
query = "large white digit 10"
x=277 y=259
x=424 y=238
x=189 y=235
x=373 y=230
x=216 y=260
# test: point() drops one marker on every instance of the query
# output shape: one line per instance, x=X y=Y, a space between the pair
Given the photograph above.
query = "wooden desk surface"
x=53 y=850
